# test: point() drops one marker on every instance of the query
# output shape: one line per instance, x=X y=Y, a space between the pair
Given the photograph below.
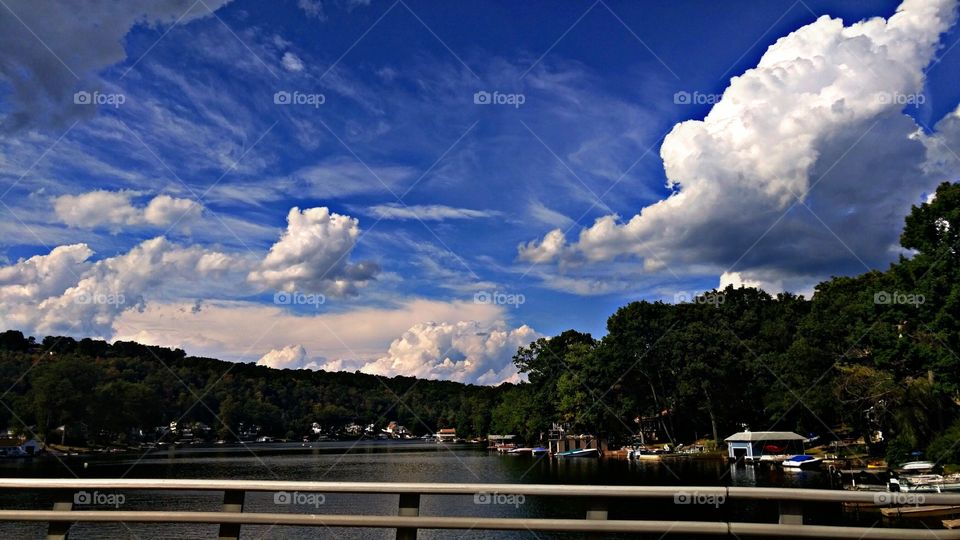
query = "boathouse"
x=447 y=435
x=753 y=445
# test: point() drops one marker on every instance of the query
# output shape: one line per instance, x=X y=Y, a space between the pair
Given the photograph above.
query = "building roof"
x=754 y=436
x=448 y=430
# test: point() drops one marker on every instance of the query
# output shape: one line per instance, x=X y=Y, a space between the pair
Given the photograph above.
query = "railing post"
x=598 y=511
x=232 y=502
x=409 y=506
x=791 y=513
x=62 y=502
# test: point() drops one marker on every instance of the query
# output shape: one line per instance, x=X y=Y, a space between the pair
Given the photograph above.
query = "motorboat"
x=582 y=452
x=540 y=451
x=802 y=461
x=917 y=467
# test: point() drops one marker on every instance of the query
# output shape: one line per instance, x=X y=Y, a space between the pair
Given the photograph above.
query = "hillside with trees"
x=870 y=356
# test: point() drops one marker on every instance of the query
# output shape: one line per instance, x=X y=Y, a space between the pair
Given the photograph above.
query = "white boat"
x=917 y=466
x=802 y=461
x=925 y=483
x=521 y=450
x=583 y=452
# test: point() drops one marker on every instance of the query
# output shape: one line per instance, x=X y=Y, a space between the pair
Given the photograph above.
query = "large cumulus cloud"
x=805 y=167
x=313 y=254
x=464 y=351
x=66 y=292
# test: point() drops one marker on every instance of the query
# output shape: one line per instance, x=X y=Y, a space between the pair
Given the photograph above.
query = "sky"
x=420 y=188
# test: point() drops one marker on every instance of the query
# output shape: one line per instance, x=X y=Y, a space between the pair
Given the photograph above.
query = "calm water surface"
x=387 y=461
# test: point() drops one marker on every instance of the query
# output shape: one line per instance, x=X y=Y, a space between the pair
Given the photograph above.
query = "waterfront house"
x=756 y=445
x=447 y=435
x=396 y=431
x=18 y=447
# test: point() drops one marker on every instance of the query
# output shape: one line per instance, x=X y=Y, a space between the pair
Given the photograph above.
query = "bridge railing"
x=69 y=494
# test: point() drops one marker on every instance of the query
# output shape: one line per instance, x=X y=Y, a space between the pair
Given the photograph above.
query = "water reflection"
x=386 y=462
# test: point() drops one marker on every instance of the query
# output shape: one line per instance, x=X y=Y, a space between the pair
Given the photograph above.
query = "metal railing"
x=408 y=519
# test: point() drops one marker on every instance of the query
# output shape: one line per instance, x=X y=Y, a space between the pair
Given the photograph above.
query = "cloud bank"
x=804 y=167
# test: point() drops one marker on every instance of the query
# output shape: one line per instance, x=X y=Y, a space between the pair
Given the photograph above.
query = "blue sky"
x=179 y=185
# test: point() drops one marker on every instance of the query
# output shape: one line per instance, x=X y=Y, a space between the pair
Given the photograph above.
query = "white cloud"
x=313 y=255
x=427 y=212
x=290 y=357
x=464 y=351
x=818 y=119
x=63 y=292
x=245 y=331
x=313 y=8
x=165 y=210
x=114 y=210
x=292 y=62
x=45 y=49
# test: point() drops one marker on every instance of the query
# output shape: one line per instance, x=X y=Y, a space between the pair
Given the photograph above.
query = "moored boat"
x=523 y=450
x=582 y=452
x=802 y=461
x=539 y=451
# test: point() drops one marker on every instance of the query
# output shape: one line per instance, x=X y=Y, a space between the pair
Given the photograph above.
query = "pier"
x=407 y=519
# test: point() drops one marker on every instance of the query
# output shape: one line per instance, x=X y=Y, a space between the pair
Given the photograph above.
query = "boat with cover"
x=802 y=461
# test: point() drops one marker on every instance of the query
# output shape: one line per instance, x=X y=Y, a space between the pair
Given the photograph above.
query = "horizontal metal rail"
x=503 y=524
x=539 y=490
x=408 y=520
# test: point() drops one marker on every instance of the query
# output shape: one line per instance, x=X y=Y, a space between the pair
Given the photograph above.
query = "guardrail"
x=408 y=519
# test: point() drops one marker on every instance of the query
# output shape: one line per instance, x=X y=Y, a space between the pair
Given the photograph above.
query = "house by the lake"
x=447 y=435
x=19 y=447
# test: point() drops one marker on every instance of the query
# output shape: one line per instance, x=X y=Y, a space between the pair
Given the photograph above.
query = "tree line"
x=872 y=356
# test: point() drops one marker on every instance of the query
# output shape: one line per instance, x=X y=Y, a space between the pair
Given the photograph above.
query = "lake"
x=393 y=461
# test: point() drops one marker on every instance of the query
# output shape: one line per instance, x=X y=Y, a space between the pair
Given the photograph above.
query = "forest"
x=870 y=356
